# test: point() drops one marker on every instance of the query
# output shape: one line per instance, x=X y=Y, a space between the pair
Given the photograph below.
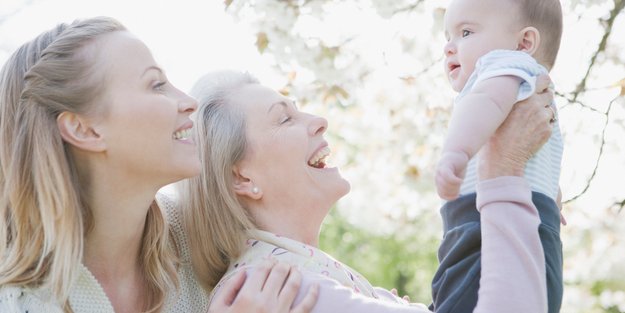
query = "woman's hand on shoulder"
x=270 y=287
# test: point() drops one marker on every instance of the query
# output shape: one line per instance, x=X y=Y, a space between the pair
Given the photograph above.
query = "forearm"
x=334 y=297
x=513 y=262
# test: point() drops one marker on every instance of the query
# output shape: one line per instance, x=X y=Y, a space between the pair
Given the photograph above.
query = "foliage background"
x=374 y=69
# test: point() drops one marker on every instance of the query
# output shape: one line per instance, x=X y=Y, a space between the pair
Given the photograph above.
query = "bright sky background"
x=187 y=38
x=191 y=37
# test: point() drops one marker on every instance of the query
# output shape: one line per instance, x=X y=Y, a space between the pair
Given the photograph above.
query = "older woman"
x=265 y=190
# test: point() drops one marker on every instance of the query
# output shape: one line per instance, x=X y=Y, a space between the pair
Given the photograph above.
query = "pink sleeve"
x=513 y=263
x=334 y=297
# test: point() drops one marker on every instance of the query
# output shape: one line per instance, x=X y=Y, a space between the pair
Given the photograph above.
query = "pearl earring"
x=255 y=190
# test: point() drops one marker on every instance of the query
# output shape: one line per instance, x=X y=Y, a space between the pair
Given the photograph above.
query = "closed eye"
x=159 y=86
x=285 y=120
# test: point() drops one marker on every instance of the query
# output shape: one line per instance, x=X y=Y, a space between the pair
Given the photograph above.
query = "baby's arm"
x=474 y=119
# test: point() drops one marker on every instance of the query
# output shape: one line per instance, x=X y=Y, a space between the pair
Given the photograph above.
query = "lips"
x=319 y=157
x=183 y=132
x=453 y=69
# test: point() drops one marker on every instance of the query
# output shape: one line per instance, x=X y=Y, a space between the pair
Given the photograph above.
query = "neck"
x=297 y=223
x=119 y=208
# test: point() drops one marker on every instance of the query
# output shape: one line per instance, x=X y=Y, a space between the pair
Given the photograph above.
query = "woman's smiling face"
x=286 y=151
x=147 y=124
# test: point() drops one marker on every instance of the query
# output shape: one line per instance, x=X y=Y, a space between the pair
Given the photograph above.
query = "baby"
x=495 y=51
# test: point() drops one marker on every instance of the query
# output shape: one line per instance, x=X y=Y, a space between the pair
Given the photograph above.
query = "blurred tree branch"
x=601 y=146
x=618 y=7
x=408 y=8
x=608 y=23
x=619 y=205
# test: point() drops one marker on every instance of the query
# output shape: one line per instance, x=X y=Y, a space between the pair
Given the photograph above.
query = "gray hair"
x=209 y=205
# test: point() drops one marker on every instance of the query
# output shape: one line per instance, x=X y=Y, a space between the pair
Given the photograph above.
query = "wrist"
x=491 y=166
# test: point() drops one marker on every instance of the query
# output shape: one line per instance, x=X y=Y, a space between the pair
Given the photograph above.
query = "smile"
x=318 y=159
x=182 y=134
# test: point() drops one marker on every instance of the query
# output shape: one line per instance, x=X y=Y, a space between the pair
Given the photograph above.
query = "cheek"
x=472 y=51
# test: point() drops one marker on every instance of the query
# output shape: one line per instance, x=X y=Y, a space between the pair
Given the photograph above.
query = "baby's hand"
x=450 y=173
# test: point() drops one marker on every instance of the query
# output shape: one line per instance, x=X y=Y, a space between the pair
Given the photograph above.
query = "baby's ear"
x=529 y=40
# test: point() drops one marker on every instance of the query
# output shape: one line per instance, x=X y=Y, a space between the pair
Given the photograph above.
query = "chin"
x=457 y=86
x=190 y=169
x=343 y=189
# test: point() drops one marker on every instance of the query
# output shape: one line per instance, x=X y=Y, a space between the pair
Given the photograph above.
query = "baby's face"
x=474 y=28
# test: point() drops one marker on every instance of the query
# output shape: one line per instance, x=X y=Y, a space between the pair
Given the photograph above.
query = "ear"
x=529 y=40
x=77 y=131
x=244 y=186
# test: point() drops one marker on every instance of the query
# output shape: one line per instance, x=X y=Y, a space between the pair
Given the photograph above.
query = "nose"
x=450 y=48
x=317 y=126
x=187 y=104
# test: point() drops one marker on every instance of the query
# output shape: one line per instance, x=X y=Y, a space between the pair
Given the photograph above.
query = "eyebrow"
x=465 y=23
x=152 y=67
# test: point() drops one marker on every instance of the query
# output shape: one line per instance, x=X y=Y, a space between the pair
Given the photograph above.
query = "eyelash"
x=284 y=120
x=159 y=86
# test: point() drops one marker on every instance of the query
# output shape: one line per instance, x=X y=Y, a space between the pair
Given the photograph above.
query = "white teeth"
x=182 y=134
x=319 y=156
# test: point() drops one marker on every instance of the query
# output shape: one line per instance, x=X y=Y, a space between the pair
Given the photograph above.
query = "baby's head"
x=476 y=27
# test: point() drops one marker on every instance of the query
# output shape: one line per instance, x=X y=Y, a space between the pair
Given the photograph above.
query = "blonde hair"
x=43 y=212
x=546 y=16
x=211 y=210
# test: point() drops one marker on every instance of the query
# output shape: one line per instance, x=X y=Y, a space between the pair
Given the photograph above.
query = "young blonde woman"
x=265 y=190
x=91 y=129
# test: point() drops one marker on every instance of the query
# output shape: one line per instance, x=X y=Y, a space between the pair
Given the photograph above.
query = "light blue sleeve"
x=511 y=63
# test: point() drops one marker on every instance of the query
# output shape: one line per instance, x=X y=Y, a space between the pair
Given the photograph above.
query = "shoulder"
x=20 y=300
x=509 y=59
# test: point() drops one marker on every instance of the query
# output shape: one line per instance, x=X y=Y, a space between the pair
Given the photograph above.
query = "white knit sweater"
x=88 y=296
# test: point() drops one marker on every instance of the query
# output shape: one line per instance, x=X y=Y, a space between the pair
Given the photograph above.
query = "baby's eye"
x=466 y=33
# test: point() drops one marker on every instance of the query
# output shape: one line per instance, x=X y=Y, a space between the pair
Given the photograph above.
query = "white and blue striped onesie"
x=543 y=169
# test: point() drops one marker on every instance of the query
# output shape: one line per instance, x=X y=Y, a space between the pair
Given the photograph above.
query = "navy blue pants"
x=455 y=284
